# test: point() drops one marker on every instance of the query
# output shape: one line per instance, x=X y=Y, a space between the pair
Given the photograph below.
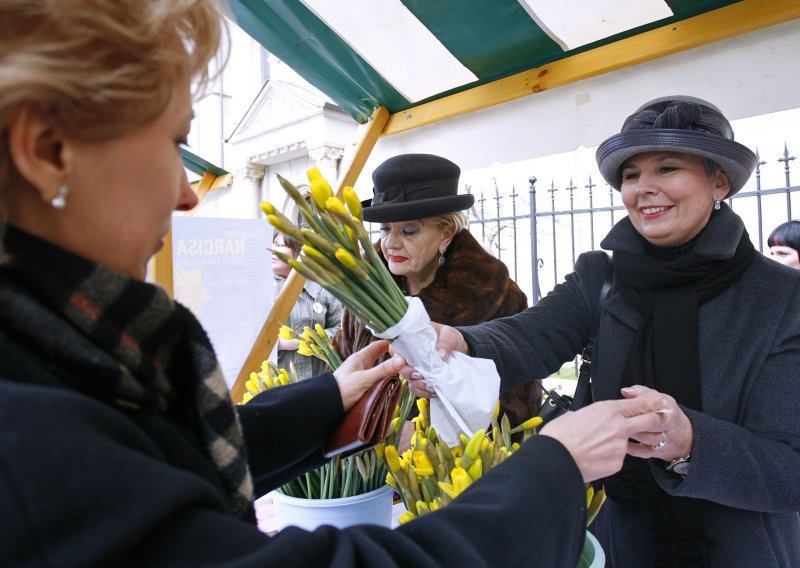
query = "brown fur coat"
x=471 y=287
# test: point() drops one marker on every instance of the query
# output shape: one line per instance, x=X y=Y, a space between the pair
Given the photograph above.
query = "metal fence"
x=539 y=233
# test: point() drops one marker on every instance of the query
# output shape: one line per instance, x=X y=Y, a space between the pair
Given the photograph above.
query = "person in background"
x=427 y=247
x=314 y=306
x=686 y=317
x=784 y=243
x=119 y=444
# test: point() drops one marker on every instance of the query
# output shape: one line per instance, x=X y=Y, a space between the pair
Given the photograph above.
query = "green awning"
x=198 y=165
x=402 y=53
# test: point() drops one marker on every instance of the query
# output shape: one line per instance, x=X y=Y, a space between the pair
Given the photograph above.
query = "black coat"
x=86 y=483
x=746 y=453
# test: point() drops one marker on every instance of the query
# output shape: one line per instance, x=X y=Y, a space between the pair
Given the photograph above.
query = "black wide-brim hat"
x=415 y=186
x=677 y=124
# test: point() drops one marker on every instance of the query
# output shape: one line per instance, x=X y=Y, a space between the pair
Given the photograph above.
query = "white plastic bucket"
x=592 y=555
x=374 y=508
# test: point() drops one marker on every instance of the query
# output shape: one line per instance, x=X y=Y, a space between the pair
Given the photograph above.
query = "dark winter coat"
x=470 y=287
x=746 y=453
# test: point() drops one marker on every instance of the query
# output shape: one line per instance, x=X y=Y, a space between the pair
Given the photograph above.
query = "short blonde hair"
x=456 y=221
x=98 y=68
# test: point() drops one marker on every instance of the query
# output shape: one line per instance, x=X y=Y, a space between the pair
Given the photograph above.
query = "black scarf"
x=667 y=288
x=126 y=342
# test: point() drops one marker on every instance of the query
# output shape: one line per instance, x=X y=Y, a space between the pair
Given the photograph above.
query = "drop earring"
x=441 y=259
x=717 y=205
x=60 y=200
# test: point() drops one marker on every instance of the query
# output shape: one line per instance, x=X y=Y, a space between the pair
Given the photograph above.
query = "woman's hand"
x=288 y=344
x=357 y=373
x=448 y=339
x=597 y=436
x=674 y=439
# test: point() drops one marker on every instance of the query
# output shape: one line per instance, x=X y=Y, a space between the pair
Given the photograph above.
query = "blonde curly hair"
x=98 y=68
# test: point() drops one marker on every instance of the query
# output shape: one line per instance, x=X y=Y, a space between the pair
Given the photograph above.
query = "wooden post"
x=285 y=301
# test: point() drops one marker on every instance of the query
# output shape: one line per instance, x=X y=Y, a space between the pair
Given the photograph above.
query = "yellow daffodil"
x=405 y=517
x=304 y=349
x=286 y=332
x=353 y=202
x=392 y=459
x=320 y=330
x=335 y=205
x=422 y=464
x=321 y=192
x=268 y=208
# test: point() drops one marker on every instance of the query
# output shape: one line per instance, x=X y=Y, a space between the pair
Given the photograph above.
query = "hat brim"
x=736 y=160
x=420 y=209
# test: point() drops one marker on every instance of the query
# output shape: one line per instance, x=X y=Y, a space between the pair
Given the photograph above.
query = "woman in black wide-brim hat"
x=687 y=316
x=425 y=243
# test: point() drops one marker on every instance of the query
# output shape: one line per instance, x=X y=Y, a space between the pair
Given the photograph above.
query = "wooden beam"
x=161 y=263
x=722 y=23
x=368 y=137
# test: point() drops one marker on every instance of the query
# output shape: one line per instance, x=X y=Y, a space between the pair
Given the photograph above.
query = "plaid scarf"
x=123 y=341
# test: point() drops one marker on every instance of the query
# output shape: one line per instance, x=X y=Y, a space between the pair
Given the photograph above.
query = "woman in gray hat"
x=687 y=317
x=425 y=243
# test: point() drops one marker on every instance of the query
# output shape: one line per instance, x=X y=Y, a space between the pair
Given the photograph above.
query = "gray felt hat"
x=677 y=124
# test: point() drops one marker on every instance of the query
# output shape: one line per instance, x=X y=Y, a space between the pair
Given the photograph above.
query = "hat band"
x=708 y=144
x=405 y=193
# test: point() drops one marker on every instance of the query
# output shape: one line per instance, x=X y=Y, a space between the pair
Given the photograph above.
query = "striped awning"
x=402 y=53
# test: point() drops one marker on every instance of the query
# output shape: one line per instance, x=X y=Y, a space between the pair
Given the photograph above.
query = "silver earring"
x=441 y=259
x=717 y=205
x=60 y=200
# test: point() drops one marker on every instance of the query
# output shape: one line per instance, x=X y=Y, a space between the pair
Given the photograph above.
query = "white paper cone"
x=467 y=388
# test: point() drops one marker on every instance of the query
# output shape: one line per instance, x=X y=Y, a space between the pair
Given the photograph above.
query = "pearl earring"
x=717 y=205
x=60 y=200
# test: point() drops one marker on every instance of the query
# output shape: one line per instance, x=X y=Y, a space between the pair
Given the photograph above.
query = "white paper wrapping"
x=467 y=387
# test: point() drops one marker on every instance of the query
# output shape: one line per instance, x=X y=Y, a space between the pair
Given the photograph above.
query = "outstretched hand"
x=448 y=340
x=674 y=438
x=597 y=436
x=357 y=373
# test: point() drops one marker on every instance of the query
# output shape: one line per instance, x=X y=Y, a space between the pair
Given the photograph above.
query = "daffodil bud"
x=391 y=481
x=286 y=332
x=474 y=445
x=345 y=258
x=320 y=330
x=392 y=459
x=405 y=517
x=335 y=205
x=321 y=192
x=246 y=397
x=268 y=208
x=475 y=471
x=353 y=202
x=313 y=173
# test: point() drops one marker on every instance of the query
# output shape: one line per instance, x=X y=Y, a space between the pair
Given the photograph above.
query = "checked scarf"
x=126 y=342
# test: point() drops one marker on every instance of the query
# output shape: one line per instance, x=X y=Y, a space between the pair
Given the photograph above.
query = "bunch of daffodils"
x=337 y=253
x=429 y=475
x=360 y=473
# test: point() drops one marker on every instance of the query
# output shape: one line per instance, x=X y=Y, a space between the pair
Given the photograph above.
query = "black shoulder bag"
x=555 y=404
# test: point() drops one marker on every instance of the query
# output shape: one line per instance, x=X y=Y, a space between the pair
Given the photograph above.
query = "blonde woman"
x=118 y=442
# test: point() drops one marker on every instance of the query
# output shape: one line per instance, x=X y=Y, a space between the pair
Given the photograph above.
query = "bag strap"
x=582 y=389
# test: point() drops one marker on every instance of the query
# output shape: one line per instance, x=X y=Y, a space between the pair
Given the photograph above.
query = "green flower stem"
x=353 y=288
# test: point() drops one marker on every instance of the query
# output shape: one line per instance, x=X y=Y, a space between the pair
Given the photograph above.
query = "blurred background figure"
x=784 y=243
x=315 y=305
